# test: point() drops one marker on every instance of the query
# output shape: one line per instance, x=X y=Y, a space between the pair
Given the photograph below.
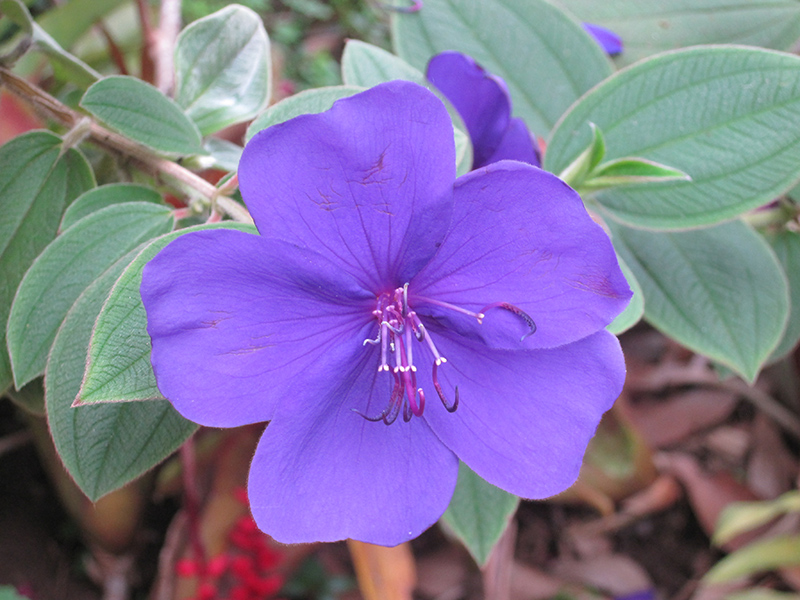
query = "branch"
x=51 y=108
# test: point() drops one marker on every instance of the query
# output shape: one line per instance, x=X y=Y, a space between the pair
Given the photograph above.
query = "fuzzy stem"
x=148 y=161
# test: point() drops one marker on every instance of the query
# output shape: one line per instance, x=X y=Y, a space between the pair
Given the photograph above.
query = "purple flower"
x=467 y=315
x=483 y=101
x=608 y=40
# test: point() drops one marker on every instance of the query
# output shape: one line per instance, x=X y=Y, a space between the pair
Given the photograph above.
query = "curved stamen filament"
x=517 y=311
x=449 y=407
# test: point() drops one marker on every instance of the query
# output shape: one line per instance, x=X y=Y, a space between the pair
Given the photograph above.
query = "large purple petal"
x=524 y=416
x=367 y=183
x=517 y=144
x=480 y=98
x=240 y=323
x=521 y=236
x=325 y=473
x=608 y=40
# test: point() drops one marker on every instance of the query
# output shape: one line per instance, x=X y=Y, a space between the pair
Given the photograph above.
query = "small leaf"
x=226 y=154
x=316 y=100
x=545 y=57
x=37 y=183
x=65 y=269
x=222 y=63
x=729 y=117
x=81 y=74
x=635 y=310
x=104 y=196
x=478 y=513
x=718 y=291
x=763 y=555
x=740 y=517
x=786 y=246
x=631 y=171
x=103 y=447
x=139 y=111
x=118 y=363
x=366 y=66
x=69 y=21
x=575 y=174
x=651 y=26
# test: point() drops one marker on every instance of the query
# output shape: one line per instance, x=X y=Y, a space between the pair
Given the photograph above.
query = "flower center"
x=399 y=326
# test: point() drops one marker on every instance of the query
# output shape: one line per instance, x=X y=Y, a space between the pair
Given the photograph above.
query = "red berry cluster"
x=246 y=570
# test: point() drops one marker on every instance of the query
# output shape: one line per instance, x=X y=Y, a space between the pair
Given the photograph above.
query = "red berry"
x=207 y=591
x=217 y=565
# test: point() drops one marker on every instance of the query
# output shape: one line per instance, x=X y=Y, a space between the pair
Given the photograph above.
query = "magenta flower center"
x=399 y=327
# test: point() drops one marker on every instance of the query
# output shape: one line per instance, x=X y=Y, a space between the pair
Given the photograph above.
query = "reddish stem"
x=192 y=503
x=116 y=54
x=149 y=40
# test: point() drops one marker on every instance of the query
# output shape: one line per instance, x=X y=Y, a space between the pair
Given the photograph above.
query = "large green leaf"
x=727 y=116
x=316 y=100
x=37 y=183
x=545 y=57
x=719 y=291
x=65 y=269
x=223 y=68
x=103 y=447
x=478 y=513
x=651 y=26
x=139 y=111
x=786 y=246
x=118 y=366
x=104 y=196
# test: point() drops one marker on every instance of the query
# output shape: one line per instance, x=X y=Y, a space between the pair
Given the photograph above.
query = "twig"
x=148 y=161
x=113 y=48
x=149 y=41
x=169 y=24
x=12 y=441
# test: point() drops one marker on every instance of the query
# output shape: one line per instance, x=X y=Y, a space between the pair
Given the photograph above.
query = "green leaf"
x=316 y=100
x=761 y=594
x=9 y=592
x=718 y=291
x=786 y=246
x=37 y=183
x=576 y=172
x=631 y=171
x=118 y=364
x=738 y=517
x=545 y=57
x=635 y=309
x=103 y=447
x=104 y=196
x=366 y=66
x=226 y=155
x=80 y=73
x=651 y=26
x=763 y=555
x=69 y=21
x=478 y=513
x=222 y=65
x=728 y=117
x=139 y=111
x=65 y=269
